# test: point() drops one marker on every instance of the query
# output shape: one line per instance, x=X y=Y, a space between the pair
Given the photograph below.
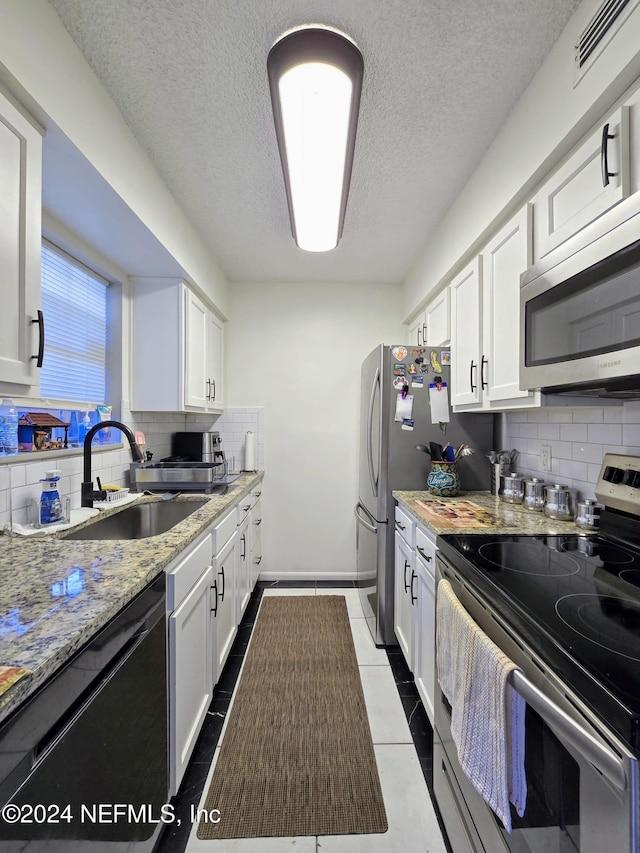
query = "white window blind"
x=74 y=302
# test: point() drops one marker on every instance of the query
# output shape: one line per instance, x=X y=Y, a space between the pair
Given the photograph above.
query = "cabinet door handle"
x=424 y=334
x=208 y=389
x=258 y=522
x=406 y=566
x=414 y=598
x=246 y=508
x=419 y=333
x=214 y=609
x=258 y=495
x=483 y=383
x=221 y=573
x=257 y=561
x=243 y=539
x=213 y=386
x=40 y=321
x=421 y=551
x=473 y=367
x=604 y=155
x=400 y=526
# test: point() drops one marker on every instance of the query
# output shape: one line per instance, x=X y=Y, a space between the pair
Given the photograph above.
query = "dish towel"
x=487 y=714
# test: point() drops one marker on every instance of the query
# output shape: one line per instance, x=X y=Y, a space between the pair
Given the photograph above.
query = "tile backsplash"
x=233 y=427
x=20 y=479
x=578 y=437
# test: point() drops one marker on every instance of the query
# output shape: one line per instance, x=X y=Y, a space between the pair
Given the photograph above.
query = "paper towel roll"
x=249 y=452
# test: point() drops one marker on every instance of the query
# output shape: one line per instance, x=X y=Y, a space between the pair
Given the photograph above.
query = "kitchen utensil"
x=558 y=502
x=587 y=514
x=436 y=451
x=464 y=450
x=424 y=449
x=534 y=494
x=450 y=454
x=511 y=488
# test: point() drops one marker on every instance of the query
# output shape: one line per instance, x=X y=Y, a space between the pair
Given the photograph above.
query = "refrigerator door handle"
x=361 y=520
x=374 y=387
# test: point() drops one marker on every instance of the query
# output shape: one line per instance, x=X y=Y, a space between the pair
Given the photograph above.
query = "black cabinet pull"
x=400 y=526
x=483 y=383
x=258 y=560
x=406 y=566
x=214 y=610
x=243 y=539
x=473 y=367
x=426 y=556
x=40 y=321
x=221 y=572
x=604 y=155
x=414 y=598
x=258 y=522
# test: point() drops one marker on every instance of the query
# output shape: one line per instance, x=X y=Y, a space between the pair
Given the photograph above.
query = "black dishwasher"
x=84 y=760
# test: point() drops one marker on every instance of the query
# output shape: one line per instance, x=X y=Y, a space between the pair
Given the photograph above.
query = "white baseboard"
x=308 y=576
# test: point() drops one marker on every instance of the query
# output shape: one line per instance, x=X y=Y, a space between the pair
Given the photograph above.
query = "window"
x=74 y=302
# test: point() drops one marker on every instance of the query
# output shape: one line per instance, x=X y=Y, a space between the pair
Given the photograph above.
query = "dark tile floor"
x=175 y=836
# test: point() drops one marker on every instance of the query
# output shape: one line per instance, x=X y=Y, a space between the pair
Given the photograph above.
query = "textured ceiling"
x=190 y=80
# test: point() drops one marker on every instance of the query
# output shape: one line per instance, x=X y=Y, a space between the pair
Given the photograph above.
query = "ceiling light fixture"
x=315 y=77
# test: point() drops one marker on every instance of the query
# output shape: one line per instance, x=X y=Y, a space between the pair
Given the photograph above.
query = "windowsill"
x=39 y=455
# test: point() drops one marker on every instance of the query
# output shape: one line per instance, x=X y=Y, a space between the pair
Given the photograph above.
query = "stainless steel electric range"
x=566 y=610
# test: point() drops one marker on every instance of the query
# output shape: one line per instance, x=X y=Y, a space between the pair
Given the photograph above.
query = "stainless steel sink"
x=137 y=521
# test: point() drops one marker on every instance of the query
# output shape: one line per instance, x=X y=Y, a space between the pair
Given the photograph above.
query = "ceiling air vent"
x=606 y=22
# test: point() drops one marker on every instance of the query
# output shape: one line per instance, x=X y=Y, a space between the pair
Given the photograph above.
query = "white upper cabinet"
x=418 y=330
x=485 y=332
x=431 y=326
x=437 y=320
x=178 y=347
x=591 y=181
x=504 y=259
x=466 y=327
x=20 y=241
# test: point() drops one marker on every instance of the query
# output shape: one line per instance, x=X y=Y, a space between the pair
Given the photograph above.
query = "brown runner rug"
x=297 y=757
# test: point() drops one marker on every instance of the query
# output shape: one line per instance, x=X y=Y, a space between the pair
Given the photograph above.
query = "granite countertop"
x=55 y=594
x=498 y=517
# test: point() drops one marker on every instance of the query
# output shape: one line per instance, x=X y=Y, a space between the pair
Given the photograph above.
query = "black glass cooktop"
x=576 y=601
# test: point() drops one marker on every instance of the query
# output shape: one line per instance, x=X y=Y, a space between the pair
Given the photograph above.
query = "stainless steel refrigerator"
x=389 y=461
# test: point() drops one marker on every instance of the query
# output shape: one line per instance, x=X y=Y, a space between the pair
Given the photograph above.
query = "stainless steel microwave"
x=580 y=315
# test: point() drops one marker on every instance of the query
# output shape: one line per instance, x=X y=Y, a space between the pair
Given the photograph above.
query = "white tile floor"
x=413 y=827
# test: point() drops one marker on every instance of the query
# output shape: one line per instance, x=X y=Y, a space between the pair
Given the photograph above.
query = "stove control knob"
x=631 y=478
x=613 y=475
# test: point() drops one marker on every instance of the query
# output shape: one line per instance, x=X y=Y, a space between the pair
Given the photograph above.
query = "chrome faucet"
x=88 y=493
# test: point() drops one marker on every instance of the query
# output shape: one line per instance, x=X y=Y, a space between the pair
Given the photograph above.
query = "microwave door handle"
x=375 y=388
x=605 y=760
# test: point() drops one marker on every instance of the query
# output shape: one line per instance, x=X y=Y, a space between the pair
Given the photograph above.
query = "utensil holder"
x=443 y=479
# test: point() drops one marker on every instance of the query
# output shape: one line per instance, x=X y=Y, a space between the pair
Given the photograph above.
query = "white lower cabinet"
x=256 y=536
x=208 y=588
x=243 y=571
x=190 y=654
x=415 y=603
x=223 y=605
x=424 y=636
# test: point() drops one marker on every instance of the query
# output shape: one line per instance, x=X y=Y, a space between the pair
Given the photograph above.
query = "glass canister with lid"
x=533 y=499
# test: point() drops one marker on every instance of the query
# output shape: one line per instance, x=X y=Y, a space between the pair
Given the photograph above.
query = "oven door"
x=581 y=781
x=580 y=315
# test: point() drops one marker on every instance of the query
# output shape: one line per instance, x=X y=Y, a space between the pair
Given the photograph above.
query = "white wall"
x=547 y=121
x=296 y=350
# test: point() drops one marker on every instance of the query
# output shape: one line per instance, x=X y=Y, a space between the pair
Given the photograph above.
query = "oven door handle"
x=605 y=760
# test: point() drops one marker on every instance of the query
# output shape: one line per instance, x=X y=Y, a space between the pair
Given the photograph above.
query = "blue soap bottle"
x=50 y=503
